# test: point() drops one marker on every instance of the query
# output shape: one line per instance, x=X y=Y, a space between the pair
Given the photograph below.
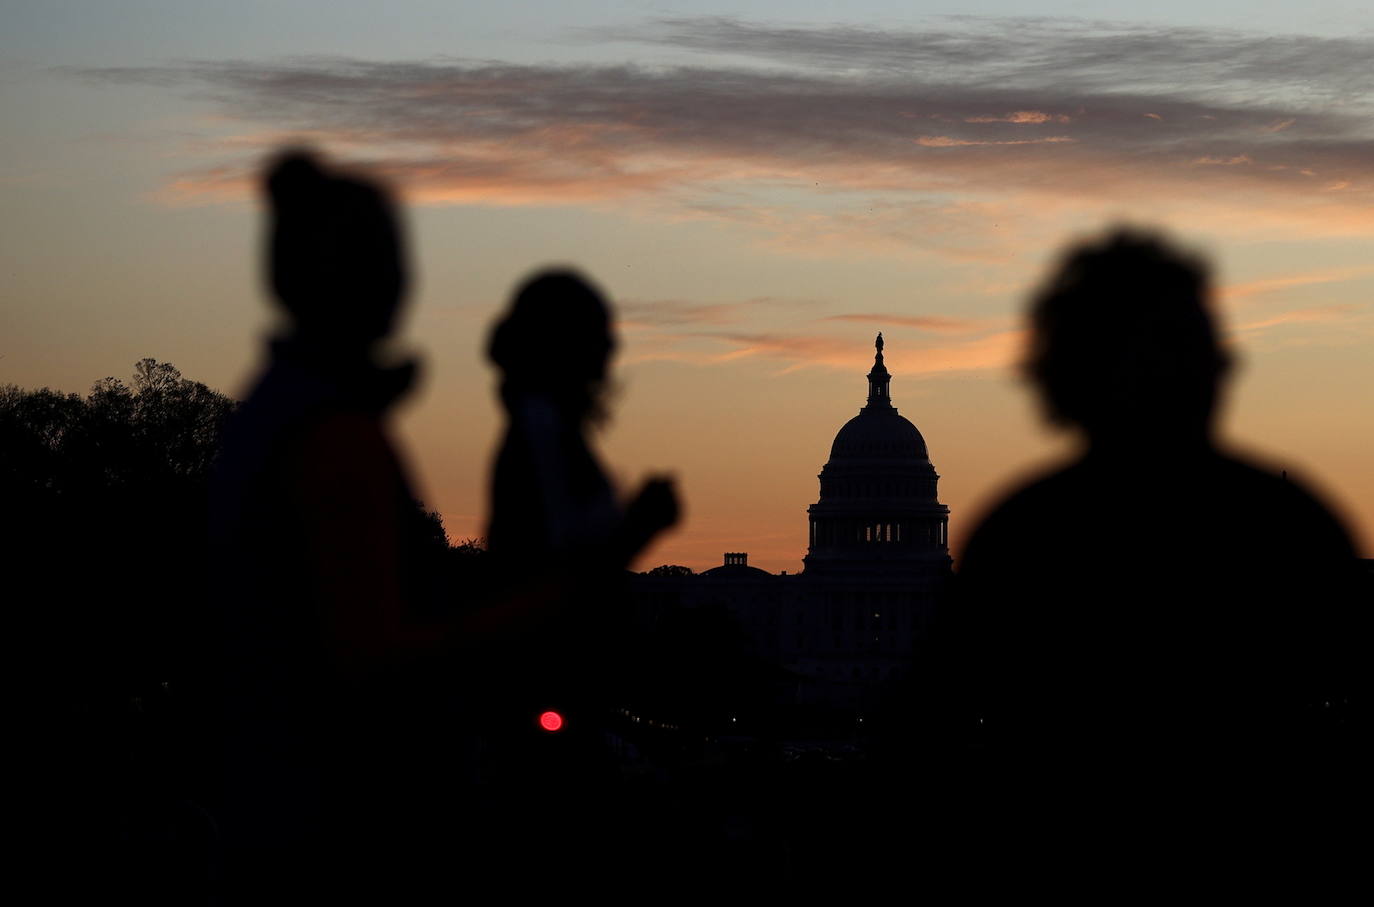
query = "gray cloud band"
x=1059 y=109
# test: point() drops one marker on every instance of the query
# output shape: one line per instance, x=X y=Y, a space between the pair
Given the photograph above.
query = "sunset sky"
x=759 y=187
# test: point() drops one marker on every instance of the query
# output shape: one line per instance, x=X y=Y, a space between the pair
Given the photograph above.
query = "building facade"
x=876 y=565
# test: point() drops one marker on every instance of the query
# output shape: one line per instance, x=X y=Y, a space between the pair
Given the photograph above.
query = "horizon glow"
x=758 y=196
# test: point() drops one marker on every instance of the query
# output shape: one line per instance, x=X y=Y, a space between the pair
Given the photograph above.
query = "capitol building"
x=877 y=562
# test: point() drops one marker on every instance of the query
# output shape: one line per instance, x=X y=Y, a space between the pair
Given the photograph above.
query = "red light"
x=551 y=721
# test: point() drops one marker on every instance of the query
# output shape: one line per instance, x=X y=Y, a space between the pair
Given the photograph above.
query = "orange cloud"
x=668 y=313
x=775 y=149
x=936 y=324
x=995 y=351
x=1241 y=291
x=944 y=141
x=1021 y=116
x=1318 y=315
x=212 y=186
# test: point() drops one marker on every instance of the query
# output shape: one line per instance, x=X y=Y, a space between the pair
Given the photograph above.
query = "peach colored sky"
x=759 y=199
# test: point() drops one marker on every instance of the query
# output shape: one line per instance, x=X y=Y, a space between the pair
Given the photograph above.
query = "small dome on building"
x=736 y=566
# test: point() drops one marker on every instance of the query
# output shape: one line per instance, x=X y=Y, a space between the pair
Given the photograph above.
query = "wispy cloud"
x=935 y=324
x=1241 y=292
x=945 y=141
x=1082 y=55
x=953 y=354
x=672 y=313
x=1225 y=161
x=676 y=313
x=817 y=123
x=793 y=351
x=1021 y=116
x=1316 y=315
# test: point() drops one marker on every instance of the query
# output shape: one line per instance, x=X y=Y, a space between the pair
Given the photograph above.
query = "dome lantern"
x=879 y=381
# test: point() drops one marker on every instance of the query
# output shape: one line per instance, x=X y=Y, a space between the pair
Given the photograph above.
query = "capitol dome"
x=879 y=434
x=879 y=501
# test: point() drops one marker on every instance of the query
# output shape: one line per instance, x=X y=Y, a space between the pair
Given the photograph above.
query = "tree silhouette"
x=110 y=577
x=670 y=570
x=106 y=498
x=104 y=550
x=163 y=430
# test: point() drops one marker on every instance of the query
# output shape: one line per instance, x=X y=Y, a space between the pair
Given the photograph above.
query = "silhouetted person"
x=312 y=519
x=555 y=518
x=1158 y=646
x=550 y=497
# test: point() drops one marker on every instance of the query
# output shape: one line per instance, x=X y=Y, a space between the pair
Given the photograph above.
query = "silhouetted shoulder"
x=1156 y=589
x=1037 y=499
x=1260 y=484
x=1209 y=502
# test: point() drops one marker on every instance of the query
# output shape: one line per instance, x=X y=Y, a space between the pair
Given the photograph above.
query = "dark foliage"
x=670 y=570
x=105 y=513
x=162 y=428
x=105 y=498
x=109 y=570
x=104 y=547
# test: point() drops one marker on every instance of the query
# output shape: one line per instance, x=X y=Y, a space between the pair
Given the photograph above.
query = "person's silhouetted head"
x=1123 y=344
x=555 y=340
x=335 y=258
